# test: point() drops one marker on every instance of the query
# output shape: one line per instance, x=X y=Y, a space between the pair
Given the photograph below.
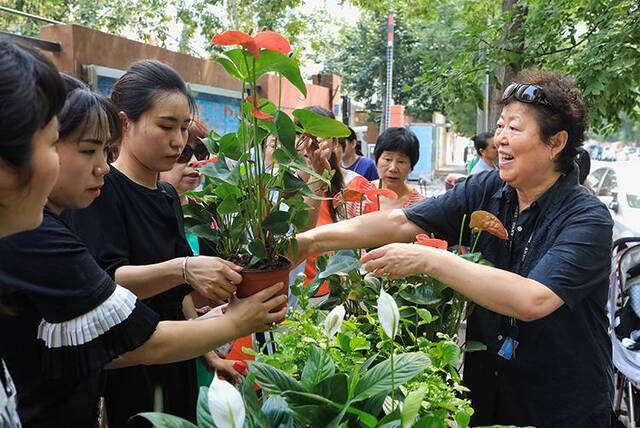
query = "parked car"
x=617 y=185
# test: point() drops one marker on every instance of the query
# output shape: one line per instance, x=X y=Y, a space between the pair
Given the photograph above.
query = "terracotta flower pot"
x=254 y=281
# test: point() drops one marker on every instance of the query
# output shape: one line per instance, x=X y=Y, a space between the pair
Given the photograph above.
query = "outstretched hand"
x=400 y=260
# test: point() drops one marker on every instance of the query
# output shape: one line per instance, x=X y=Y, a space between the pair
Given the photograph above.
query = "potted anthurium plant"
x=247 y=209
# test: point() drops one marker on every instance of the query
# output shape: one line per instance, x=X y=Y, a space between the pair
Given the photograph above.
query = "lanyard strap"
x=512 y=233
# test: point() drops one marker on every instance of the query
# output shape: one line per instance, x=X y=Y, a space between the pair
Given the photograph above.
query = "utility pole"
x=388 y=100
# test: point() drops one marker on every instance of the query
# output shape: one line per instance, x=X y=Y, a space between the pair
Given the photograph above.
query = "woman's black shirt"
x=561 y=374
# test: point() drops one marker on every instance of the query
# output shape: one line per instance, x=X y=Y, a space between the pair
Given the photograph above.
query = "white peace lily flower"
x=388 y=314
x=225 y=404
x=333 y=322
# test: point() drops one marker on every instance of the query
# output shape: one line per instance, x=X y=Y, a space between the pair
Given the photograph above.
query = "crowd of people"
x=98 y=279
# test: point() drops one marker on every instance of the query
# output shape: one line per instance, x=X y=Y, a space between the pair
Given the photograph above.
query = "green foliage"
x=462 y=41
x=149 y=20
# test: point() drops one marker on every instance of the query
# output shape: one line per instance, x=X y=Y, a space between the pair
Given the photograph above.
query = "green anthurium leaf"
x=378 y=379
x=223 y=190
x=342 y=262
x=252 y=405
x=411 y=406
x=203 y=414
x=335 y=388
x=318 y=367
x=424 y=295
x=451 y=353
x=213 y=135
x=277 y=222
x=230 y=146
x=463 y=418
x=277 y=412
x=212 y=145
x=283 y=64
x=229 y=205
x=240 y=58
x=163 y=420
x=299 y=218
x=273 y=380
x=258 y=249
x=425 y=315
x=219 y=172
x=320 y=126
x=230 y=67
x=204 y=231
x=285 y=130
x=474 y=346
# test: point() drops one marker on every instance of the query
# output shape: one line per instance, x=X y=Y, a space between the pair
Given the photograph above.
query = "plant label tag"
x=508 y=349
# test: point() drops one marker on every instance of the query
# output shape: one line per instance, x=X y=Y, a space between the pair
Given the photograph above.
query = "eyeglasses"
x=526 y=93
x=200 y=152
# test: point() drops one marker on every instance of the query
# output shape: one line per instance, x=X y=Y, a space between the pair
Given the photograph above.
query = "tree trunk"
x=513 y=42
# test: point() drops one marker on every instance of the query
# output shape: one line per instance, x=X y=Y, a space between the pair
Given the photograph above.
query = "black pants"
x=132 y=390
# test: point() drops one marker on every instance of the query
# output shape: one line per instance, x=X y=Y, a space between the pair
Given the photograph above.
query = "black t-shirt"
x=561 y=373
x=68 y=320
x=130 y=224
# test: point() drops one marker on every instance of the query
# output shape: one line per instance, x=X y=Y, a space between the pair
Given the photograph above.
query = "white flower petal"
x=388 y=314
x=225 y=404
x=333 y=322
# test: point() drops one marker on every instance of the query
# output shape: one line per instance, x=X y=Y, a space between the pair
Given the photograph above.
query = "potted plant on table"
x=247 y=209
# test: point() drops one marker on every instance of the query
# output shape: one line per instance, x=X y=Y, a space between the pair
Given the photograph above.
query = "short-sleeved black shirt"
x=51 y=277
x=561 y=375
x=130 y=224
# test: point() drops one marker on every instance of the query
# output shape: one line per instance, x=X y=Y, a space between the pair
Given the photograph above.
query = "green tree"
x=595 y=41
x=146 y=19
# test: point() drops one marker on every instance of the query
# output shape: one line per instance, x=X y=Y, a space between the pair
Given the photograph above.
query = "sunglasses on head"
x=526 y=93
x=200 y=152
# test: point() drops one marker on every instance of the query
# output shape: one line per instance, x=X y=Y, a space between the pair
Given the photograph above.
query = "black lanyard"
x=512 y=232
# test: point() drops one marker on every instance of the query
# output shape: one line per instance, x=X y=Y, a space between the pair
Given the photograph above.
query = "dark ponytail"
x=136 y=91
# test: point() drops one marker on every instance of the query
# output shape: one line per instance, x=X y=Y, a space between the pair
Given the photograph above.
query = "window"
x=609 y=186
x=594 y=179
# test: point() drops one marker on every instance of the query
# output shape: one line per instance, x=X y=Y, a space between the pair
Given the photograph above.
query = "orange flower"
x=272 y=41
x=235 y=37
x=425 y=240
x=360 y=188
x=264 y=40
x=483 y=220
x=257 y=113
x=202 y=163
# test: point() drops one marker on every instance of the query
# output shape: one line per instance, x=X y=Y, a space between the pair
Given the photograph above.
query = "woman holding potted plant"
x=185 y=177
x=541 y=310
x=135 y=231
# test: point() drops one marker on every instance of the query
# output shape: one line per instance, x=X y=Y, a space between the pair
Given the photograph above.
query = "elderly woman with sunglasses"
x=541 y=310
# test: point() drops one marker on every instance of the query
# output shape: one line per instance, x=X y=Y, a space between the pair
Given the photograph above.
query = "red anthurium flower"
x=423 y=239
x=483 y=220
x=234 y=37
x=202 y=163
x=272 y=42
x=241 y=367
x=351 y=195
x=386 y=193
x=260 y=114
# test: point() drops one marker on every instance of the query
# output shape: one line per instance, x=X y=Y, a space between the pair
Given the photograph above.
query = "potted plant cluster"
x=249 y=210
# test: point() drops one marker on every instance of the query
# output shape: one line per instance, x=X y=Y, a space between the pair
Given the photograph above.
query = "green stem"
x=393 y=380
x=473 y=249
x=464 y=219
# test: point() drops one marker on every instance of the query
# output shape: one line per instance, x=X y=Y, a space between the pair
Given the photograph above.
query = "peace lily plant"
x=249 y=210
